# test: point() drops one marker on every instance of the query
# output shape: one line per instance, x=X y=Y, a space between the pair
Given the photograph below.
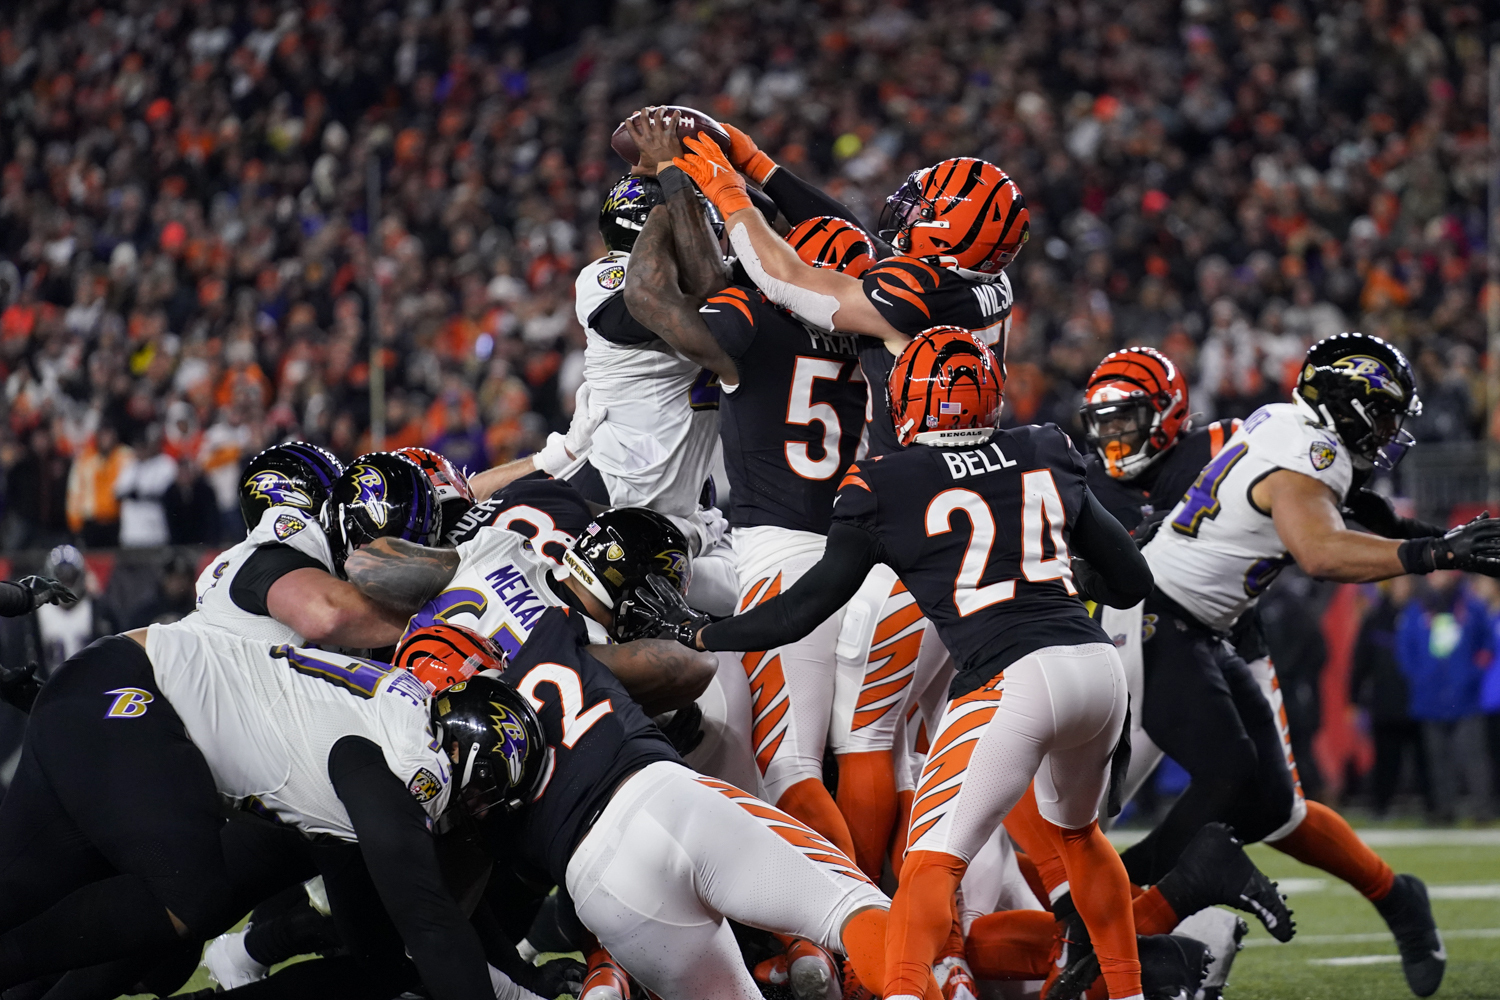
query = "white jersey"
x=216 y=608
x=1218 y=552
x=266 y=718
x=656 y=446
x=500 y=589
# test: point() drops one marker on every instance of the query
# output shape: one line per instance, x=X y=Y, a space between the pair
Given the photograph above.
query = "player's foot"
x=605 y=980
x=1223 y=932
x=229 y=964
x=1075 y=965
x=1409 y=916
x=955 y=979
x=1214 y=868
x=812 y=972
x=1172 y=966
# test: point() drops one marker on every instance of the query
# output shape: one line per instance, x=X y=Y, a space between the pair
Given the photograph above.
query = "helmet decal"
x=625 y=195
x=277 y=490
x=513 y=743
x=371 y=484
x=1372 y=372
x=674 y=566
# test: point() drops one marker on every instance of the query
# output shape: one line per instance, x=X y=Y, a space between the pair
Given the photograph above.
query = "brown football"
x=690 y=121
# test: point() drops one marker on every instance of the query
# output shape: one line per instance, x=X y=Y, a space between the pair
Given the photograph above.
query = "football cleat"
x=955 y=979
x=1075 y=965
x=1408 y=914
x=229 y=964
x=605 y=979
x=1172 y=966
x=1224 y=933
x=813 y=973
x=1214 y=869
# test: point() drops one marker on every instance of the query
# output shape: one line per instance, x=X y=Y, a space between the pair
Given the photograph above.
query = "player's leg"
x=119 y=762
x=1189 y=712
x=675 y=853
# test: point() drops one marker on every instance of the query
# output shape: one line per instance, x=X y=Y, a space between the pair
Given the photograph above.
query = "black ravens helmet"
x=1363 y=389
x=495 y=740
x=380 y=495
x=621 y=548
x=627 y=205
x=295 y=474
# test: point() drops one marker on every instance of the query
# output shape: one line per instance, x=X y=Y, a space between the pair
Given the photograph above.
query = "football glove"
x=684 y=728
x=19 y=686
x=747 y=156
x=1469 y=548
x=45 y=590
x=657 y=610
x=720 y=183
x=1376 y=513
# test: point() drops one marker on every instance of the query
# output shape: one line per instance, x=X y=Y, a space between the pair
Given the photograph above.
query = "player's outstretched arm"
x=822 y=590
x=399 y=574
x=328 y=611
x=659 y=674
x=1308 y=521
x=655 y=299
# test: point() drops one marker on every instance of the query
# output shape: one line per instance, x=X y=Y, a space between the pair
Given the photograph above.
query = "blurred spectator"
x=1377 y=685
x=1488 y=589
x=63 y=631
x=93 y=509
x=191 y=509
x=36 y=493
x=1443 y=645
x=174 y=596
x=140 y=488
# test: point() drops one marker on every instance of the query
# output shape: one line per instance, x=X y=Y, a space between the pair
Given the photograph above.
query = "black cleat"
x=1214 y=869
x=1409 y=916
x=1077 y=965
x=1172 y=966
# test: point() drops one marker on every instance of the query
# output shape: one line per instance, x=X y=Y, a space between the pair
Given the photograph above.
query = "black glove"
x=1147 y=529
x=658 y=610
x=1470 y=548
x=45 y=590
x=1086 y=579
x=19 y=686
x=1376 y=513
x=559 y=976
x=684 y=730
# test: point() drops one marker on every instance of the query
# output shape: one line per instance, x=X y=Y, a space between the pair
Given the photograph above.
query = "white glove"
x=564 y=454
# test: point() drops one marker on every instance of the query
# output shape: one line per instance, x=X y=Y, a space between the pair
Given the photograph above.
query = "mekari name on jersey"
x=501 y=589
x=216 y=607
x=1218 y=552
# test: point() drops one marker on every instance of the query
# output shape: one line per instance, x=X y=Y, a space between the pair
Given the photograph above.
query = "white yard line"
x=1327 y=939
x=1377 y=838
x=1357 y=960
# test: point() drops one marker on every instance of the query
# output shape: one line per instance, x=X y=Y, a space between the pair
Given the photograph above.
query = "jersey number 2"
x=802 y=411
x=575 y=720
x=1041 y=510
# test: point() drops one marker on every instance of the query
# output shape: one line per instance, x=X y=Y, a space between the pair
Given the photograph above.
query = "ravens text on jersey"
x=791 y=426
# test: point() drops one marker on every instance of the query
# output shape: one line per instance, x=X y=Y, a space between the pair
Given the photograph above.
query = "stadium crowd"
x=183 y=220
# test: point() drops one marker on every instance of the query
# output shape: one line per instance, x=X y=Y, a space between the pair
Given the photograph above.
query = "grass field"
x=1342 y=950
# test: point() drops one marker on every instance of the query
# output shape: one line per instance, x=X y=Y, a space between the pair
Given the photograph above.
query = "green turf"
x=1266 y=970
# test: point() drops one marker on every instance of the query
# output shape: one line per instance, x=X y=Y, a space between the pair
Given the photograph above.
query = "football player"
x=980 y=524
x=281 y=584
x=653 y=855
x=1271 y=497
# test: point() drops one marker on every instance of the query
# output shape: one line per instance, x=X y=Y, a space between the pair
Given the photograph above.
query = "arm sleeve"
x=729 y=315
x=265 y=566
x=15 y=600
x=613 y=322
x=1124 y=578
x=399 y=853
x=821 y=591
x=800 y=200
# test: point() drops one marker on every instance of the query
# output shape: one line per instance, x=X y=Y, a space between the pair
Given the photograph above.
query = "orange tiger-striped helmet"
x=965 y=209
x=828 y=241
x=945 y=389
x=442 y=655
x=1134 y=407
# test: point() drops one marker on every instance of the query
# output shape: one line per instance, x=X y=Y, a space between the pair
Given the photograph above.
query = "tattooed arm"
x=654 y=298
x=400 y=574
x=659 y=674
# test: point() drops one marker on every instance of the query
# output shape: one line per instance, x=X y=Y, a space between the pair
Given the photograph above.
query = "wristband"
x=674 y=179
x=1416 y=555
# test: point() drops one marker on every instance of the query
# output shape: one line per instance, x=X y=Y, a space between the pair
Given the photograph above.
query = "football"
x=691 y=121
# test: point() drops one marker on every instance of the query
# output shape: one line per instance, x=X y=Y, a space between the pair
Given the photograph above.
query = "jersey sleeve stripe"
x=908 y=296
x=728 y=300
x=852 y=480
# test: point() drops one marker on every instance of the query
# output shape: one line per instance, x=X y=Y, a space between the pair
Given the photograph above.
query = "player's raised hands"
x=45 y=590
x=711 y=170
x=747 y=156
x=655 y=133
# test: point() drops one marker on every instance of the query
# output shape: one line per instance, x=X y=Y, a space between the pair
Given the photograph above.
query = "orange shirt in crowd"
x=91 y=485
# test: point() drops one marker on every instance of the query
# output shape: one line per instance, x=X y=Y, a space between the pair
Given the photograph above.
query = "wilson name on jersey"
x=979 y=537
x=1166 y=482
x=597 y=735
x=216 y=608
x=548 y=512
x=266 y=718
x=656 y=446
x=913 y=295
x=501 y=589
x=1218 y=552
x=791 y=426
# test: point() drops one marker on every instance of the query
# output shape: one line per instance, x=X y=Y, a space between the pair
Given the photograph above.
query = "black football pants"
x=1205 y=710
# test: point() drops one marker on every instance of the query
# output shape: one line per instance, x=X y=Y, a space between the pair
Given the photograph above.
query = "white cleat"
x=1223 y=932
x=229 y=964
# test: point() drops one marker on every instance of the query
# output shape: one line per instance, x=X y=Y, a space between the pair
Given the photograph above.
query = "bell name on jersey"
x=1218 y=552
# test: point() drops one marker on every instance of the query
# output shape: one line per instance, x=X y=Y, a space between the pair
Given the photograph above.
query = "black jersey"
x=980 y=539
x=913 y=295
x=1164 y=483
x=791 y=426
x=596 y=735
x=551 y=513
